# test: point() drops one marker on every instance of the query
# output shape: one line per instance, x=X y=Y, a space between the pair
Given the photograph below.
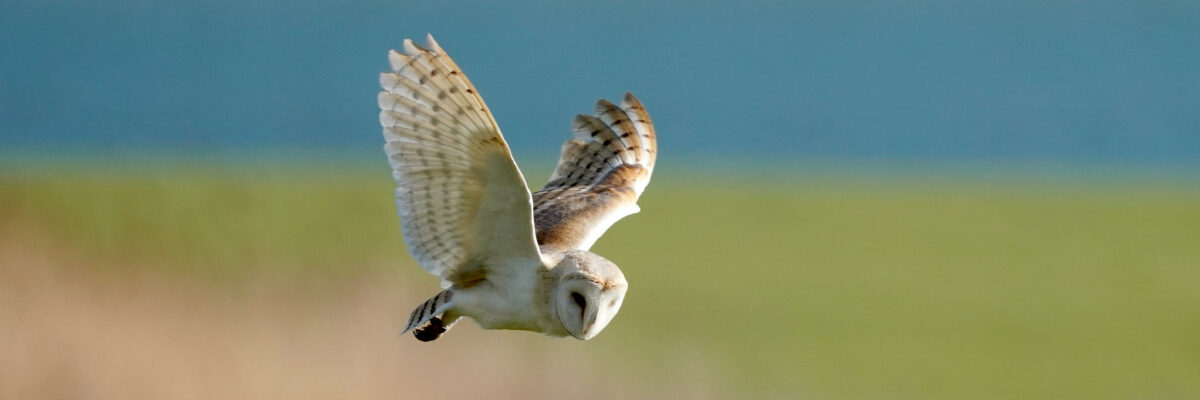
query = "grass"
x=788 y=287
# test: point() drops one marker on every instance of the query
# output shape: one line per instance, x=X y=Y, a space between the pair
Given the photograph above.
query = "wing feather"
x=462 y=201
x=600 y=175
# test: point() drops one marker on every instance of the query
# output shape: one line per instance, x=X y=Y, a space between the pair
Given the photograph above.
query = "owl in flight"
x=507 y=258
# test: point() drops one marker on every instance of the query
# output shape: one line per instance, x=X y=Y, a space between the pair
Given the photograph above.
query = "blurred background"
x=855 y=200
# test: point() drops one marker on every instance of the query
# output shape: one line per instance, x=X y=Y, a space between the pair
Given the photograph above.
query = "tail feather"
x=431 y=308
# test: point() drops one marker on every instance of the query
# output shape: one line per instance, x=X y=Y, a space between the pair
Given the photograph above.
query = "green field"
x=781 y=285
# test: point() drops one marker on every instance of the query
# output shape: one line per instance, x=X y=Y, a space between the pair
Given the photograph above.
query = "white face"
x=586 y=304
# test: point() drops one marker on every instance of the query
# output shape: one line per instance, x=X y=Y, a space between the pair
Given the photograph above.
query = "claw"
x=431 y=331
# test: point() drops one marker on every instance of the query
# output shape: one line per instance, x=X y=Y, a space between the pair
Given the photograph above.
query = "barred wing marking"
x=600 y=175
x=462 y=201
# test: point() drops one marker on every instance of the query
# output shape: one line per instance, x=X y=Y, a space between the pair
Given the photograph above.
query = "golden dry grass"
x=72 y=331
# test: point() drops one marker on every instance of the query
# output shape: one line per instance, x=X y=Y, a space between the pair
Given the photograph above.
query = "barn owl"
x=507 y=258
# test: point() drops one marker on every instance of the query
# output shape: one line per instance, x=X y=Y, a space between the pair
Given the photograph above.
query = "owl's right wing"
x=463 y=204
x=599 y=177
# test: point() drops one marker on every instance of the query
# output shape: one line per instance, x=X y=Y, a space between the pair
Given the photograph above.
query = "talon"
x=432 y=330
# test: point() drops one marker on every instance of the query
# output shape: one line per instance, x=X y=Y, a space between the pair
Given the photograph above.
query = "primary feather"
x=600 y=175
x=462 y=201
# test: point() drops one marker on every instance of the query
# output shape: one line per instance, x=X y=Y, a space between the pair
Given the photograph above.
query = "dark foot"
x=430 y=331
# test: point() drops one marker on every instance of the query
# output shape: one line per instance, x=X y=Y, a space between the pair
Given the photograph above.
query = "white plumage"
x=508 y=259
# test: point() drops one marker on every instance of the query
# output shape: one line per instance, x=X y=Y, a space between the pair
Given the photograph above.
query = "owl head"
x=588 y=294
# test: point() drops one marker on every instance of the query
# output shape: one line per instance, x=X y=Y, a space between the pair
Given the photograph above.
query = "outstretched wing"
x=600 y=175
x=463 y=203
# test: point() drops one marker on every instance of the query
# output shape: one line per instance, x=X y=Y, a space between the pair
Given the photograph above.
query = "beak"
x=589 y=325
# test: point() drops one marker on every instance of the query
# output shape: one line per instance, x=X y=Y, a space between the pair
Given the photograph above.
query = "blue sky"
x=1012 y=82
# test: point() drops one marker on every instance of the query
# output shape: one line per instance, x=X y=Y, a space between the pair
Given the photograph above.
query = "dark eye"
x=578 y=299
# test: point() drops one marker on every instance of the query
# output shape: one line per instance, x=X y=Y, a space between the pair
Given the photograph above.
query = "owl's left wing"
x=599 y=177
x=464 y=207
